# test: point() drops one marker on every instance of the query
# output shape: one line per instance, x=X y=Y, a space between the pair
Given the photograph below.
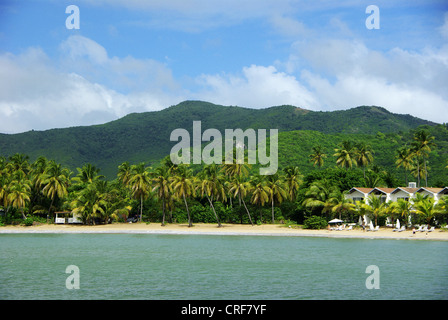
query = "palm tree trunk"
x=272 y=209
x=426 y=176
x=250 y=219
x=188 y=212
x=141 y=207
x=49 y=210
x=163 y=210
x=213 y=208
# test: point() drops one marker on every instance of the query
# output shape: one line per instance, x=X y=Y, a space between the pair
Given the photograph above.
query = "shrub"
x=28 y=222
x=315 y=222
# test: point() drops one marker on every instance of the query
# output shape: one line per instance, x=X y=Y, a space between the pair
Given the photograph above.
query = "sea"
x=219 y=267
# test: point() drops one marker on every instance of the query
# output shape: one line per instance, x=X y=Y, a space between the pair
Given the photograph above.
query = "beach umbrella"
x=360 y=220
x=335 y=221
x=398 y=224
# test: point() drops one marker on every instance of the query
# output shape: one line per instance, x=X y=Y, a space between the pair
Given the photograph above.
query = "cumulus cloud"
x=346 y=73
x=256 y=87
x=38 y=94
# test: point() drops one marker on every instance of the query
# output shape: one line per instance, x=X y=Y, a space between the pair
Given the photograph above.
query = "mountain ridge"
x=144 y=137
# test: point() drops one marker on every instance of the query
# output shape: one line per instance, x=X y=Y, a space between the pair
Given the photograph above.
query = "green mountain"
x=145 y=137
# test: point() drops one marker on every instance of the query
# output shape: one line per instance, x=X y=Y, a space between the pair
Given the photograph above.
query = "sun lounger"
x=349 y=228
x=425 y=228
x=431 y=230
x=402 y=229
x=420 y=228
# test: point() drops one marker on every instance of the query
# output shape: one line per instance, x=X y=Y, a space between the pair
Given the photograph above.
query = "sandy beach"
x=226 y=229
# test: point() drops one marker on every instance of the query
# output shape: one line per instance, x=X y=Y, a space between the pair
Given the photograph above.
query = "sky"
x=146 y=55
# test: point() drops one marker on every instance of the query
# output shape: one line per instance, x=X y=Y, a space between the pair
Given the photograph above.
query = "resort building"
x=403 y=193
x=358 y=194
x=393 y=194
x=431 y=192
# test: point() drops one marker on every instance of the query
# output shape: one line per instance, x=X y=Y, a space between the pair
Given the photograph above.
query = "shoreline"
x=226 y=229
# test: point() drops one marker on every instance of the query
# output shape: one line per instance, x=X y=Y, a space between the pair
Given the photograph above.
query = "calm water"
x=132 y=266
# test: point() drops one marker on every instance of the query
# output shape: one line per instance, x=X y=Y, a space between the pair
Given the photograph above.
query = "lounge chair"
x=376 y=228
x=402 y=229
x=425 y=228
x=431 y=229
x=420 y=228
x=349 y=228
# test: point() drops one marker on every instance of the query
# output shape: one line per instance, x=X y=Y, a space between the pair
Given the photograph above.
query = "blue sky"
x=135 y=56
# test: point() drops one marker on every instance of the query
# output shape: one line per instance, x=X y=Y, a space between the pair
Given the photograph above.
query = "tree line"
x=412 y=158
x=219 y=193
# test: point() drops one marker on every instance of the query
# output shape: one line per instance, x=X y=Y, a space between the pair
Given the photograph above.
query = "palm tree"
x=427 y=209
x=404 y=159
x=114 y=205
x=375 y=207
x=318 y=194
x=182 y=184
x=124 y=173
x=18 y=195
x=239 y=188
x=293 y=179
x=139 y=183
x=345 y=155
x=361 y=207
x=88 y=174
x=363 y=156
x=277 y=190
x=419 y=170
x=317 y=156
x=89 y=204
x=402 y=208
x=162 y=188
x=340 y=204
x=234 y=169
x=210 y=183
x=442 y=205
x=421 y=146
x=38 y=169
x=19 y=162
x=260 y=192
x=56 y=180
x=4 y=182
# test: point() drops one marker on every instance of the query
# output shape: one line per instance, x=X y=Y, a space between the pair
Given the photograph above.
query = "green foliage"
x=28 y=221
x=315 y=222
x=145 y=137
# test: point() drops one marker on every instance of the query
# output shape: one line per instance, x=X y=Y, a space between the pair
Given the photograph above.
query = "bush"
x=315 y=222
x=28 y=221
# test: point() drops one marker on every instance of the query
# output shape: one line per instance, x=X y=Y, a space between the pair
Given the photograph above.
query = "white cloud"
x=444 y=28
x=37 y=94
x=346 y=74
x=257 y=87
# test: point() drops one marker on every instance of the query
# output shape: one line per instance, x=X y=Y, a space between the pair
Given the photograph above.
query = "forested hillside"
x=144 y=137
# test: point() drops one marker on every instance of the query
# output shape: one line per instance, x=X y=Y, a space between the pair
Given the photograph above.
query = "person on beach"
x=363 y=227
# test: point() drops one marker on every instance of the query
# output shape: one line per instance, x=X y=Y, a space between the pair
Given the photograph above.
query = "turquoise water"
x=205 y=267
